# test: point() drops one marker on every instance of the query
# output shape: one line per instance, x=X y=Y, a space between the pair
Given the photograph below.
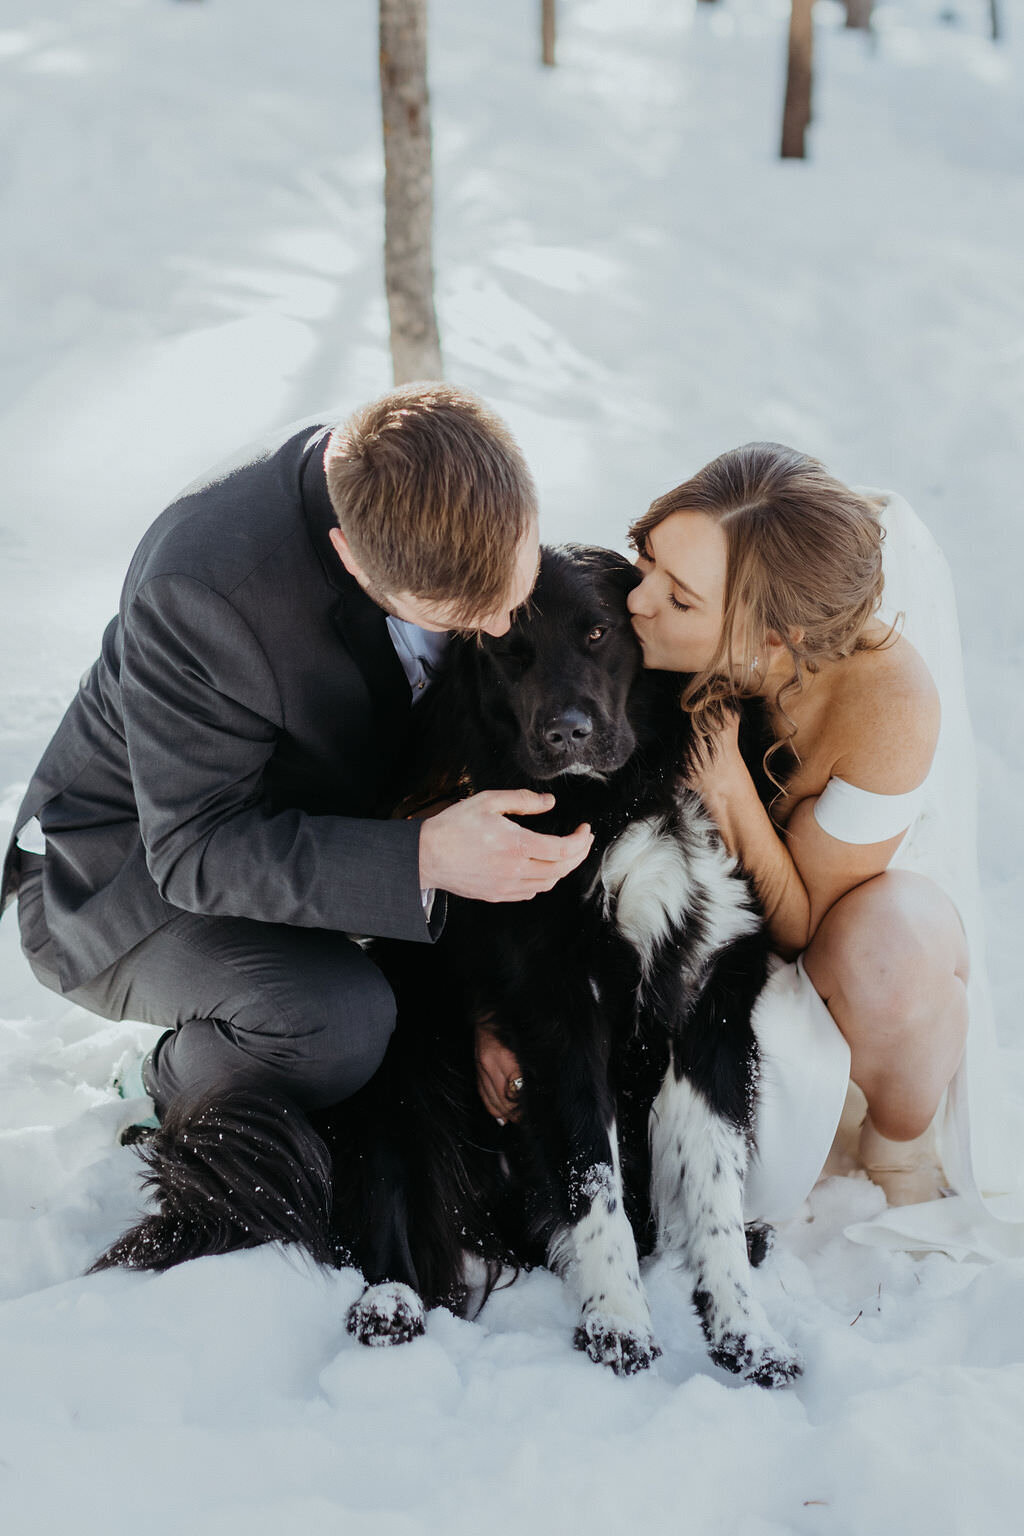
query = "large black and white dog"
x=625 y=993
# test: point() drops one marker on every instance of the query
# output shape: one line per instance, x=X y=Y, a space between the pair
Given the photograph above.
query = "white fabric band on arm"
x=855 y=815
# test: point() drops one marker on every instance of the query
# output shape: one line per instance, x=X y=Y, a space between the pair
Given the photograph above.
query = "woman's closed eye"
x=682 y=607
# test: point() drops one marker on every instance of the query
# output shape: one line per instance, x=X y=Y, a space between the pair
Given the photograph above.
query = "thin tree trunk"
x=796 y=113
x=858 y=13
x=547 y=31
x=408 y=191
x=997 y=28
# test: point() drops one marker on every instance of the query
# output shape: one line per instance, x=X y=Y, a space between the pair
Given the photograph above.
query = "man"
x=214 y=807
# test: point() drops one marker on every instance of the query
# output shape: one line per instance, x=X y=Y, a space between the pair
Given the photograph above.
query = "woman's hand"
x=720 y=776
x=717 y=762
x=498 y=1078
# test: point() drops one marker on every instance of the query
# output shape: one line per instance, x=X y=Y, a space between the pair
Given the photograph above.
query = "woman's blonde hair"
x=804 y=558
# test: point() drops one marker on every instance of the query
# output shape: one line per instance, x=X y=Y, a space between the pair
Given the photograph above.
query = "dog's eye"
x=597 y=633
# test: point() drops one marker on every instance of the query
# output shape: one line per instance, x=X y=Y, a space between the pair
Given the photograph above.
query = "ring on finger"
x=514 y=1087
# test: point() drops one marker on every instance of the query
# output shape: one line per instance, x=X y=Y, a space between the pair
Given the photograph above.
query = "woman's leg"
x=890 y=961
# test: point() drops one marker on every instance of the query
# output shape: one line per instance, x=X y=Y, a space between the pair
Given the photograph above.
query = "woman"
x=762 y=576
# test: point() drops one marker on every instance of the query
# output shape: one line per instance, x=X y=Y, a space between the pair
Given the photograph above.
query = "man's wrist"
x=427 y=859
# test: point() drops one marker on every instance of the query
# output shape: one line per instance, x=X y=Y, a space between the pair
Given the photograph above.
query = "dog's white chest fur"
x=658 y=881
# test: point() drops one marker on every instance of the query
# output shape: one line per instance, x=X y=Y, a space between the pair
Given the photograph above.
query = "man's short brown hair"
x=433 y=495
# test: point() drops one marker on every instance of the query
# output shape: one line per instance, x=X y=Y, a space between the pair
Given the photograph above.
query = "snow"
x=191 y=216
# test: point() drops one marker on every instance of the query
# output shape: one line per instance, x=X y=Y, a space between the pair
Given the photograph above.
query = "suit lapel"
x=364 y=628
x=361 y=623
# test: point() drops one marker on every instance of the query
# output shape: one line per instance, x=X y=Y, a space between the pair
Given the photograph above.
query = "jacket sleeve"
x=202 y=713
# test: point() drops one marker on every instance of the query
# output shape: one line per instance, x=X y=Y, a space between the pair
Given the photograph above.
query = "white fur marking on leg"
x=599 y=1255
x=698 y=1161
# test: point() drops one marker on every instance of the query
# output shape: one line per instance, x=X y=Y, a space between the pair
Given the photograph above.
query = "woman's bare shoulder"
x=883 y=723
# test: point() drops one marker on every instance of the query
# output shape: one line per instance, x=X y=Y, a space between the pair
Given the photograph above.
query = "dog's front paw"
x=766 y=1363
x=608 y=1341
x=387 y=1314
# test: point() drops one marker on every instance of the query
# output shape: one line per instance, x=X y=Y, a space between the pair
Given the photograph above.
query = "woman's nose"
x=638 y=600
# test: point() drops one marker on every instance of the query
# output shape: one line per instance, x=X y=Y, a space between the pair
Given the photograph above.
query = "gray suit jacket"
x=237 y=745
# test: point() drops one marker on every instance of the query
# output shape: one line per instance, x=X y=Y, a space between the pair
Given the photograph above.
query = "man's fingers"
x=516 y=802
x=471 y=849
x=545 y=849
x=540 y=877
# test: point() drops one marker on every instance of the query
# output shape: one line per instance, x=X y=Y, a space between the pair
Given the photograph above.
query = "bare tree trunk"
x=408 y=191
x=997 y=27
x=796 y=113
x=547 y=31
x=858 y=13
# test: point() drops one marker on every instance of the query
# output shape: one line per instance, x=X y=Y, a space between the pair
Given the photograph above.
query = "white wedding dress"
x=805 y=1060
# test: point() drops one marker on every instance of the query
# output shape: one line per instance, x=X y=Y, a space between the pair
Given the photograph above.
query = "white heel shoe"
x=908 y=1171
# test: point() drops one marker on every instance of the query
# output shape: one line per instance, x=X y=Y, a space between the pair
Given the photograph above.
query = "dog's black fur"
x=625 y=993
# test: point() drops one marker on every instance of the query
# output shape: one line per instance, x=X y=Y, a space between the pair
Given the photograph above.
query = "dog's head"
x=558 y=684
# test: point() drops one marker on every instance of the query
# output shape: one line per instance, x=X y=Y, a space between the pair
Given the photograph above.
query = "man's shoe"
x=133 y=1135
x=127 y=1080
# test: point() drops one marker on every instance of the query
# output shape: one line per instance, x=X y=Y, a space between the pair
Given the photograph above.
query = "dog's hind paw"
x=387 y=1314
x=760 y=1242
x=607 y=1341
x=758 y=1361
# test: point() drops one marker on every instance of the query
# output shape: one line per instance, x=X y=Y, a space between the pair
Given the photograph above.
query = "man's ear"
x=344 y=553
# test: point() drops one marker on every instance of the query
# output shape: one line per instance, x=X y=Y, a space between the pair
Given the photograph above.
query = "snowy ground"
x=191 y=216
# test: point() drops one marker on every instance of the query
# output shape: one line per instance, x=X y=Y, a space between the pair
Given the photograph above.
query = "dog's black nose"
x=569 y=727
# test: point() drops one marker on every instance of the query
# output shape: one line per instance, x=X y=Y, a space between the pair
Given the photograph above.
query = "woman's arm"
x=722 y=780
x=801 y=872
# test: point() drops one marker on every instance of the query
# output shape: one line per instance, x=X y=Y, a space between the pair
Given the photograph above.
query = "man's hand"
x=472 y=850
x=497 y=1075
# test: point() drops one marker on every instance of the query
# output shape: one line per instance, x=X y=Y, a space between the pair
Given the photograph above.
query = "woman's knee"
x=890 y=965
x=892 y=948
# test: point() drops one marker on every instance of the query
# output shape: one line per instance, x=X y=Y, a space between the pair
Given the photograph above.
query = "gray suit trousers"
x=302 y=1011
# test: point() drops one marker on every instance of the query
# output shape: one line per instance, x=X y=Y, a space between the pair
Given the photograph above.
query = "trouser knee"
x=325 y=1050
x=346 y=1048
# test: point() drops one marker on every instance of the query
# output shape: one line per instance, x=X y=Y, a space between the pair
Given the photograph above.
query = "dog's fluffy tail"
x=230 y=1171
